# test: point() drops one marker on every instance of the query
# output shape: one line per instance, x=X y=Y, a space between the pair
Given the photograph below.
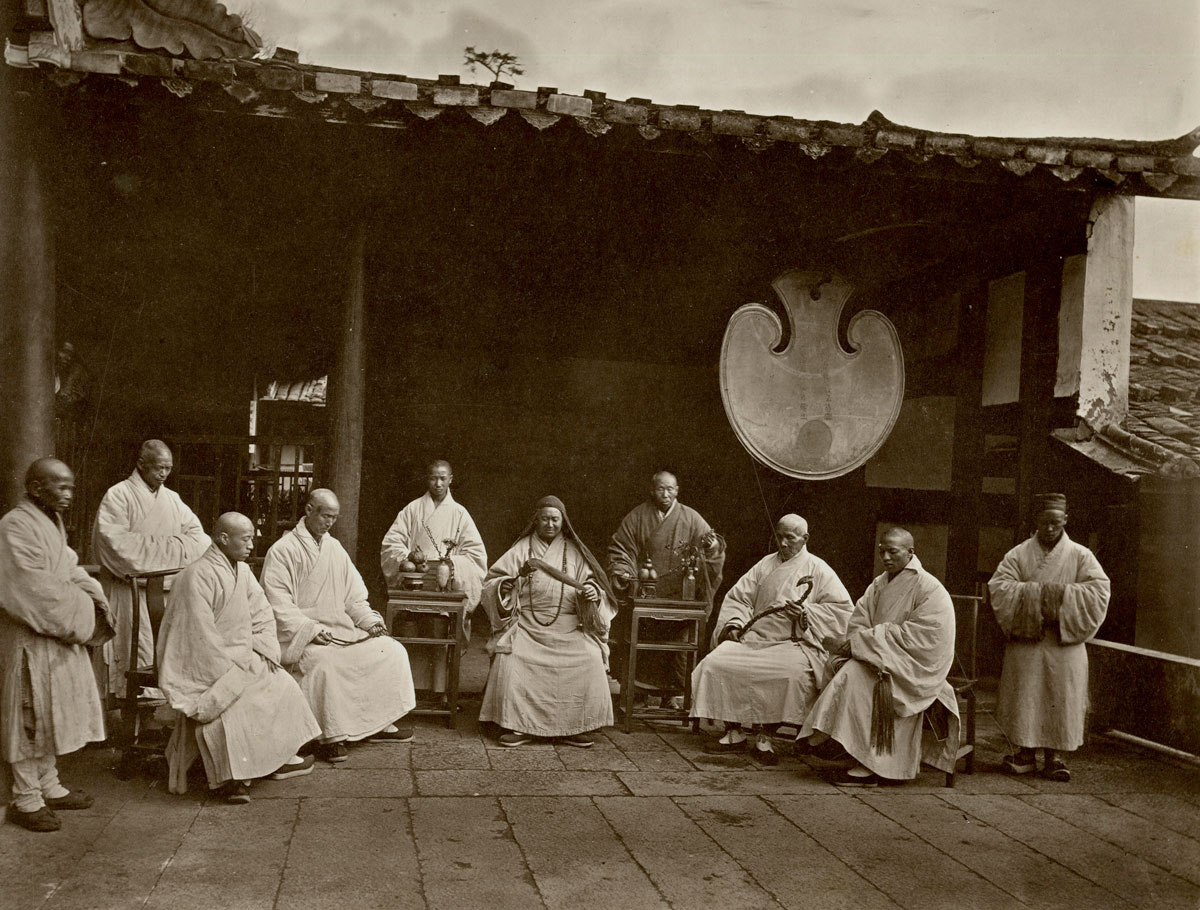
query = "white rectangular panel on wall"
x=1070 y=326
x=1002 y=353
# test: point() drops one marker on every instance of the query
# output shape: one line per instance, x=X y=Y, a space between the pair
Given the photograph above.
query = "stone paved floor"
x=642 y=820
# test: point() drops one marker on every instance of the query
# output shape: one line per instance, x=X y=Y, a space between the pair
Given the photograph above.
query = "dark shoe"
x=580 y=740
x=42 y=819
x=829 y=752
x=331 y=752
x=514 y=739
x=75 y=799
x=236 y=792
x=1021 y=763
x=716 y=747
x=1055 y=770
x=845 y=779
x=766 y=757
x=402 y=734
x=299 y=769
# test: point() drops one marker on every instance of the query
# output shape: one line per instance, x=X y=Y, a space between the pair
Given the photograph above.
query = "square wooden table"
x=693 y=616
x=449 y=604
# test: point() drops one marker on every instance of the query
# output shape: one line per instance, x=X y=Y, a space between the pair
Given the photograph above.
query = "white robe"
x=446 y=520
x=906 y=627
x=215 y=650
x=1043 y=693
x=49 y=704
x=767 y=678
x=546 y=680
x=138 y=530
x=354 y=691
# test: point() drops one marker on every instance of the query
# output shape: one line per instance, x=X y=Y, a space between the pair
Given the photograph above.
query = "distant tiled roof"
x=283 y=87
x=1164 y=375
x=306 y=391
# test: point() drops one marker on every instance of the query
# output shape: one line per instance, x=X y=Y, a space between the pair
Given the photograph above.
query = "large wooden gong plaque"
x=812 y=411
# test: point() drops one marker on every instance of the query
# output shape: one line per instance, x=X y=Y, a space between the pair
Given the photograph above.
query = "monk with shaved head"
x=886 y=671
x=49 y=610
x=768 y=661
x=356 y=678
x=218 y=664
x=141 y=526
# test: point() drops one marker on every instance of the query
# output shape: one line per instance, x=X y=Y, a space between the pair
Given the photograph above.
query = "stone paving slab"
x=338 y=781
x=659 y=761
x=1168 y=811
x=518 y=783
x=520 y=760
x=463 y=755
x=597 y=758
x=700 y=783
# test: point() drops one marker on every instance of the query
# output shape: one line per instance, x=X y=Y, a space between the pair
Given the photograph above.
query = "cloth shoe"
x=42 y=819
x=1055 y=770
x=716 y=747
x=829 y=752
x=401 y=733
x=295 y=769
x=845 y=779
x=331 y=752
x=513 y=739
x=75 y=799
x=766 y=757
x=236 y=792
x=580 y=740
x=1019 y=763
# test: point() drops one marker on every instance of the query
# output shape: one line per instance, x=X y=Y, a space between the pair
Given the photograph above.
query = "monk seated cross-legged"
x=218 y=665
x=356 y=678
x=768 y=662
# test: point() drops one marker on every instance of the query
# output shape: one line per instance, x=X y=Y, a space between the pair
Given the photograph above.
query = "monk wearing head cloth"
x=550 y=608
x=355 y=677
x=141 y=526
x=218 y=664
x=1050 y=596
x=888 y=670
x=768 y=662
x=49 y=609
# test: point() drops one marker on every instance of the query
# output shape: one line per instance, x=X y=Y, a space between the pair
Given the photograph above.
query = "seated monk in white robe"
x=141 y=526
x=218 y=665
x=355 y=677
x=1050 y=596
x=550 y=608
x=887 y=671
x=436 y=527
x=49 y=610
x=769 y=663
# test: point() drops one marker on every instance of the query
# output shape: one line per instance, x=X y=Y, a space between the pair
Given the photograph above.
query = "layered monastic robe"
x=646 y=531
x=355 y=690
x=136 y=531
x=767 y=678
x=548 y=674
x=906 y=627
x=1044 y=682
x=216 y=648
x=428 y=525
x=49 y=704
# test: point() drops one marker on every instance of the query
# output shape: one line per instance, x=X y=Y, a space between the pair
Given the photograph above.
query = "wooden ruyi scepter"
x=795 y=608
x=589 y=616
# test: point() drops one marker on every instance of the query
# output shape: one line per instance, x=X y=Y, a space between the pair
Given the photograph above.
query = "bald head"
x=895 y=550
x=154 y=463
x=50 y=484
x=791 y=533
x=233 y=534
x=320 y=512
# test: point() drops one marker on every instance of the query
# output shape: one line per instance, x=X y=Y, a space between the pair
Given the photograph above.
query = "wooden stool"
x=689 y=612
x=451 y=605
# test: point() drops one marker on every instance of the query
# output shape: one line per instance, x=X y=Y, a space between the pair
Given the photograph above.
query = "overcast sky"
x=1122 y=69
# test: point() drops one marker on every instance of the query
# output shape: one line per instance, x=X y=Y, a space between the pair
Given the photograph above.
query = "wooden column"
x=347 y=388
x=26 y=294
x=1039 y=365
x=966 y=476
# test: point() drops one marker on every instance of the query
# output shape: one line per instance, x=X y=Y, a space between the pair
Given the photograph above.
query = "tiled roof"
x=306 y=391
x=282 y=87
x=1164 y=375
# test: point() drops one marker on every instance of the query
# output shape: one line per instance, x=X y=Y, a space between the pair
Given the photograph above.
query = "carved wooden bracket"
x=202 y=28
x=812 y=411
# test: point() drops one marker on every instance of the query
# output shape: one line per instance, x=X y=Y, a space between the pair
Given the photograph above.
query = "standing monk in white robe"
x=432 y=527
x=889 y=667
x=550 y=608
x=355 y=677
x=218 y=664
x=768 y=662
x=670 y=534
x=49 y=610
x=1050 y=596
x=141 y=526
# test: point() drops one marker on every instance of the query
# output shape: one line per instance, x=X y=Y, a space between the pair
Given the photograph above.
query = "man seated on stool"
x=218 y=665
x=356 y=679
x=769 y=663
x=887 y=670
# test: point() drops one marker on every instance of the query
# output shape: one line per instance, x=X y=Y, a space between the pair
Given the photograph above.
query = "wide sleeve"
x=1085 y=601
x=357 y=606
x=50 y=602
x=469 y=559
x=1016 y=603
x=397 y=543
x=738 y=605
x=124 y=552
x=829 y=606
x=624 y=548
x=280 y=584
x=916 y=652
x=264 y=636
x=191 y=535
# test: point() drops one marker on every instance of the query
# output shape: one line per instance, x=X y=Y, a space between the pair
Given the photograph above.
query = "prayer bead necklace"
x=562 y=588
